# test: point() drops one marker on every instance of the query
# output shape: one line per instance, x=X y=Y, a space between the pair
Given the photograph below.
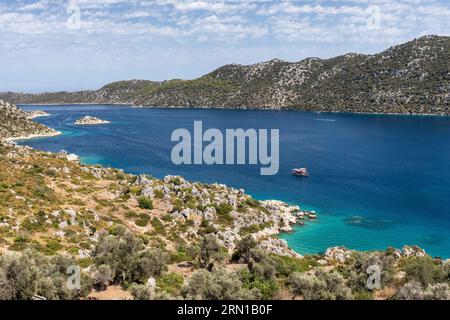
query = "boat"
x=300 y=172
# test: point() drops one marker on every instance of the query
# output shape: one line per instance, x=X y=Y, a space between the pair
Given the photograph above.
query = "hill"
x=410 y=78
x=15 y=123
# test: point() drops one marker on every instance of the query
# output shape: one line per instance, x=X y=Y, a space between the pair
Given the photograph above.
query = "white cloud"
x=35 y=29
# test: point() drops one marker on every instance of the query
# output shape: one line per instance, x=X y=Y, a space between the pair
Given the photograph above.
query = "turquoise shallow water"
x=376 y=181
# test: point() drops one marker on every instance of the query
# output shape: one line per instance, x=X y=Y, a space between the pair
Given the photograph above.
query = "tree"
x=146 y=264
x=244 y=248
x=261 y=265
x=6 y=290
x=102 y=277
x=210 y=252
x=307 y=286
x=117 y=250
x=320 y=286
x=19 y=276
x=23 y=275
x=356 y=269
x=423 y=270
x=216 y=285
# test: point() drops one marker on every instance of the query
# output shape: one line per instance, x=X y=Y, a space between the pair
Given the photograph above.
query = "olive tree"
x=320 y=286
x=216 y=285
x=210 y=252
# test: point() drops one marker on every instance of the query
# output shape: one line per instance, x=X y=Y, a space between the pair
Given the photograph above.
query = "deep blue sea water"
x=376 y=181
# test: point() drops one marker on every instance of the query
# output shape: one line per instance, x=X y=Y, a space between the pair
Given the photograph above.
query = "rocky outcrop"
x=90 y=120
x=37 y=114
x=265 y=219
x=338 y=254
x=15 y=124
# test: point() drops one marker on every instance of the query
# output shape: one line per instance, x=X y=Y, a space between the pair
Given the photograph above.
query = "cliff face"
x=409 y=78
x=14 y=122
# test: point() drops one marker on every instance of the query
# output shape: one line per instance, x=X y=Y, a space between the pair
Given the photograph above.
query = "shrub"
x=52 y=247
x=140 y=292
x=363 y=295
x=158 y=226
x=180 y=255
x=267 y=288
x=159 y=194
x=216 y=285
x=410 y=291
x=320 y=286
x=223 y=213
x=254 y=228
x=171 y=282
x=285 y=266
x=252 y=202
x=439 y=291
x=423 y=270
x=145 y=203
x=142 y=220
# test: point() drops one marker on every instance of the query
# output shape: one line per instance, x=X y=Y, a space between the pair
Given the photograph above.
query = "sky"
x=53 y=45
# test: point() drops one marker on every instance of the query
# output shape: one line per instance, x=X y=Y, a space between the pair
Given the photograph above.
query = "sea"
x=376 y=181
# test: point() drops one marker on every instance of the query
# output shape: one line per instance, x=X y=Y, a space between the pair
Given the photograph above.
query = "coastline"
x=74 y=104
x=291 y=109
x=268 y=198
x=39 y=116
x=270 y=239
x=33 y=136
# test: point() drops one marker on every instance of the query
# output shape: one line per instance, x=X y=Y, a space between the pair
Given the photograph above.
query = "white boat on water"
x=300 y=172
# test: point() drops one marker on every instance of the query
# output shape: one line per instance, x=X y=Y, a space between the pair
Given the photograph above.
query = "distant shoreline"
x=240 y=108
x=72 y=104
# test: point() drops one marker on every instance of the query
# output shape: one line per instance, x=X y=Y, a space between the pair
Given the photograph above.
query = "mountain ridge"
x=410 y=78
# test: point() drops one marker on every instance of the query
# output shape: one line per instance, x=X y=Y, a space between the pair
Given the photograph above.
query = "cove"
x=376 y=181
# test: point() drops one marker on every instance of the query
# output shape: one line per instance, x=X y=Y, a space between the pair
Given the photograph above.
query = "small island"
x=90 y=120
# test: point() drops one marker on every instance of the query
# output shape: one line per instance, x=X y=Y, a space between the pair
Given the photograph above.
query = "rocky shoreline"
x=34 y=136
x=175 y=239
x=90 y=120
x=37 y=114
x=264 y=220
